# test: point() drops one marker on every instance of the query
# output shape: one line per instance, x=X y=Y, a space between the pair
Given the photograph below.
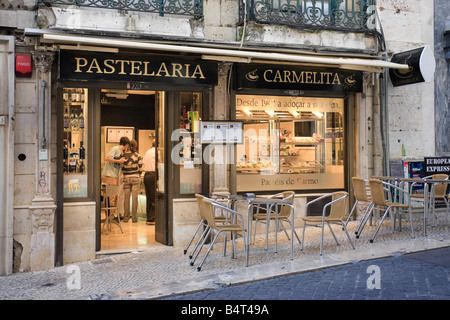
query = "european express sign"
x=297 y=78
x=133 y=68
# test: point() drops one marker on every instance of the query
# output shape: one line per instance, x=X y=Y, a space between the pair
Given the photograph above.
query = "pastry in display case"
x=290 y=141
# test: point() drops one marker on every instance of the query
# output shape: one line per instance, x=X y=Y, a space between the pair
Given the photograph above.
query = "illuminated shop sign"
x=297 y=78
x=133 y=68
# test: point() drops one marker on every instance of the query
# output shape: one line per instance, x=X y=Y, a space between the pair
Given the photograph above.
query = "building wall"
x=442 y=77
x=406 y=24
x=409 y=24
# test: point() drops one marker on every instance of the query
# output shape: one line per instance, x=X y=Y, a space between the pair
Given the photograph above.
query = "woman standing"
x=132 y=168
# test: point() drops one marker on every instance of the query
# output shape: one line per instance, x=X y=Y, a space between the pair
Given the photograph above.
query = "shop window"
x=190 y=148
x=75 y=161
x=292 y=143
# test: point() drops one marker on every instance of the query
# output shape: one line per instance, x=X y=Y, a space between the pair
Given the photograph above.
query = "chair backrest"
x=377 y=192
x=285 y=211
x=208 y=211
x=200 y=205
x=339 y=209
x=359 y=189
x=112 y=190
x=440 y=189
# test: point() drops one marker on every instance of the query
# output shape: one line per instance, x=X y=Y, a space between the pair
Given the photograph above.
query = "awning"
x=234 y=55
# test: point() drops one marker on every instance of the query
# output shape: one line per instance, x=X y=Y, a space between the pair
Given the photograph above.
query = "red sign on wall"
x=24 y=66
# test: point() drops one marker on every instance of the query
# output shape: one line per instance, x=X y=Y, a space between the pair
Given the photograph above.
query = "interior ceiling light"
x=121 y=96
x=318 y=114
x=295 y=113
x=271 y=113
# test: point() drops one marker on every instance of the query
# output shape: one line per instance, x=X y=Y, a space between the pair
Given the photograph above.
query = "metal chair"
x=284 y=213
x=380 y=200
x=234 y=223
x=203 y=223
x=338 y=214
x=438 y=192
x=360 y=189
x=111 y=191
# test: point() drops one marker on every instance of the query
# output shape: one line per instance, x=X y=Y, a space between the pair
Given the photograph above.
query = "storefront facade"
x=313 y=107
x=177 y=93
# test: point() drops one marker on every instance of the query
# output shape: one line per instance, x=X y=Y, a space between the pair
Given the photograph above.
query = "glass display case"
x=74 y=142
x=290 y=143
x=190 y=155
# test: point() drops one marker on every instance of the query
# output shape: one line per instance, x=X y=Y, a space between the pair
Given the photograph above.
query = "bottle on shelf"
x=82 y=151
x=65 y=157
x=66 y=119
x=403 y=150
x=81 y=121
x=81 y=167
x=73 y=159
x=74 y=122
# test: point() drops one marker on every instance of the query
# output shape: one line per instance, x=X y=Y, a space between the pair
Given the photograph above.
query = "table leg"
x=247 y=242
x=425 y=208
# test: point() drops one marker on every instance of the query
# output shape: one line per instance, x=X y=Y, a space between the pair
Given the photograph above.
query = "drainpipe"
x=385 y=123
x=377 y=127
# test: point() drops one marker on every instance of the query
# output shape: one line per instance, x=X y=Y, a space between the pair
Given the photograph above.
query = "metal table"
x=272 y=204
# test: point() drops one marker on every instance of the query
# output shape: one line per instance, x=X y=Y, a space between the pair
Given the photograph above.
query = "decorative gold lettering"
x=79 y=65
x=122 y=64
x=176 y=69
x=265 y=75
x=108 y=65
x=277 y=77
x=94 y=65
x=298 y=79
x=146 y=63
x=308 y=77
x=336 y=79
x=163 y=68
x=287 y=76
x=328 y=74
x=135 y=66
x=198 y=70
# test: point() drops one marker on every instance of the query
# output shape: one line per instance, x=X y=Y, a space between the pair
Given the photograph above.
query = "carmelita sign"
x=133 y=68
x=421 y=66
x=297 y=78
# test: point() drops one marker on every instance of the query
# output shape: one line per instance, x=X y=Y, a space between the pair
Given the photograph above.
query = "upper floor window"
x=346 y=15
x=162 y=7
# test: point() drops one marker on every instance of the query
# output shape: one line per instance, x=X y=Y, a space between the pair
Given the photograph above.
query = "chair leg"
x=411 y=221
x=295 y=233
x=348 y=235
x=303 y=237
x=192 y=239
x=207 y=252
x=332 y=232
x=379 y=225
x=199 y=241
x=200 y=248
x=363 y=222
x=321 y=238
x=351 y=212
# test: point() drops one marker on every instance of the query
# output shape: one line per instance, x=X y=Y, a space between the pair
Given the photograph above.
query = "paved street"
x=424 y=275
x=407 y=269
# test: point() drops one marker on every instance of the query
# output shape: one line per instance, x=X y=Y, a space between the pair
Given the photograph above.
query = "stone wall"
x=408 y=24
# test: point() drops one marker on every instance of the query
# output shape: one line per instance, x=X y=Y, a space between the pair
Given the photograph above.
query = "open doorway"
x=129 y=113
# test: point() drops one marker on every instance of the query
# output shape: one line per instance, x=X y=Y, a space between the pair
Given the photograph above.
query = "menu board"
x=114 y=134
x=222 y=132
